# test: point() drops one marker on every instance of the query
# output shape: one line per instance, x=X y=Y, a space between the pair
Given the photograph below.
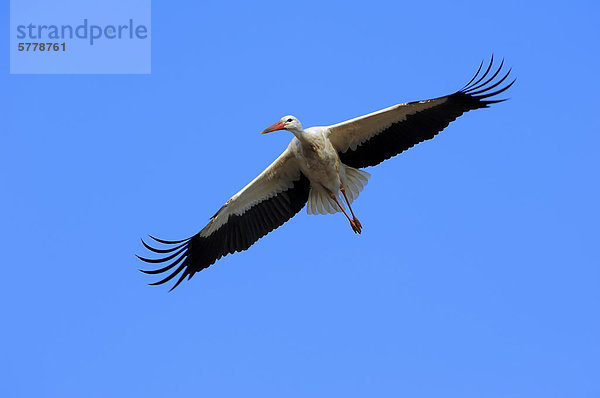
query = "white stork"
x=320 y=167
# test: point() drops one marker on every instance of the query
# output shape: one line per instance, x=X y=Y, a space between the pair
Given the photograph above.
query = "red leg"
x=354 y=226
x=350 y=207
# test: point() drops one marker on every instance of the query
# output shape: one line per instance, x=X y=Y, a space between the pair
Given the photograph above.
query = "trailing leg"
x=355 y=227
x=358 y=224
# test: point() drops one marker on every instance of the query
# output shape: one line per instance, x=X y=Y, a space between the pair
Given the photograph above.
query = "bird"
x=320 y=169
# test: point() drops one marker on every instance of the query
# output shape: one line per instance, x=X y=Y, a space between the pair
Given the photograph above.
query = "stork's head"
x=289 y=122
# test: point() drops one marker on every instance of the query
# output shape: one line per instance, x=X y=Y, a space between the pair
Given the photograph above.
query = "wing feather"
x=369 y=140
x=270 y=200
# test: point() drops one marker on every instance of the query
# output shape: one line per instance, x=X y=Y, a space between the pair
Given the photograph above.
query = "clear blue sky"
x=477 y=273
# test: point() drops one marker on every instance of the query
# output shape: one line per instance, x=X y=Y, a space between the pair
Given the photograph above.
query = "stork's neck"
x=300 y=134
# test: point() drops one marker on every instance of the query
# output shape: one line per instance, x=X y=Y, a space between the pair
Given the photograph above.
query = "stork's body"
x=319 y=161
x=317 y=158
x=319 y=169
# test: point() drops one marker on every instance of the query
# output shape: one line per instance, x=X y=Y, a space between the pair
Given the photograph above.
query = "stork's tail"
x=354 y=181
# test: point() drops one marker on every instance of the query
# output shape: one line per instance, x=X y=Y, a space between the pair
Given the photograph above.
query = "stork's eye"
x=289 y=121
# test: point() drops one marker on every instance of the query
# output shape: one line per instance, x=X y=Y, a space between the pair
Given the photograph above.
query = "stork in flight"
x=320 y=167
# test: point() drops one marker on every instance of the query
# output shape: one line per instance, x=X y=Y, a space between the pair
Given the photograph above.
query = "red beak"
x=275 y=127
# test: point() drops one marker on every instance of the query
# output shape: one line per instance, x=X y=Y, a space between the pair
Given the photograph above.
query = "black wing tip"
x=170 y=276
x=177 y=253
x=144 y=259
x=169 y=242
x=479 y=88
x=199 y=252
x=181 y=278
x=164 y=251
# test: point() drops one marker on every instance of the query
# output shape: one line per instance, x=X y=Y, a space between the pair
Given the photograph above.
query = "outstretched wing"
x=369 y=140
x=274 y=197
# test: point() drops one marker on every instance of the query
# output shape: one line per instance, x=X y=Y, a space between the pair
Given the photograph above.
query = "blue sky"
x=477 y=273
